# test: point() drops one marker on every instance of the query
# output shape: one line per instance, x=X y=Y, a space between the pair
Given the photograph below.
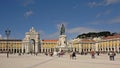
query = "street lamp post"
x=7 y=32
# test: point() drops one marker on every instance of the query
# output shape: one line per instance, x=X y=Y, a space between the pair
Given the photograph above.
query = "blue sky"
x=46 y=16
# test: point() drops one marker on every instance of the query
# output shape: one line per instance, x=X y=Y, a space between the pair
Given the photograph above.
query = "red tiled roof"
x=112 y=37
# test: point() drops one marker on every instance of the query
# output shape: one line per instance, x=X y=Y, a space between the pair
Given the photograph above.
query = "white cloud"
x=108 y=21
x=27 y=2
x=0 y=36
x=94 y=4
x=109 y=2
x=80 y=30
x=74 y=32
x=28 y=13
x=103 y=3
x=104 y=13
x=114 y=20
x=71 y=33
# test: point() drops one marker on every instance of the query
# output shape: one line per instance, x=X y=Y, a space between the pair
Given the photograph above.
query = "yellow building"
x=83 y=45
x=105 y=44
x=32 y=43
x=110 y=43
x=48 y=45
x=13 y=45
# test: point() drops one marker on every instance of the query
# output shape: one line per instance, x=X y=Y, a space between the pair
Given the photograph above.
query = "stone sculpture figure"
x=62 y=31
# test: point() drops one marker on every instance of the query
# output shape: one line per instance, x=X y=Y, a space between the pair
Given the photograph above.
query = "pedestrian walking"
x=73 y=55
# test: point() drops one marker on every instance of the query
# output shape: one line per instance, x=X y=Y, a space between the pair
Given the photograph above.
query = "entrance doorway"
x=32 y=46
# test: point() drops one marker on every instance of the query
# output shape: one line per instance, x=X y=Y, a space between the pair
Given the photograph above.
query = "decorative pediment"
x=32 y=34
x=32 y=30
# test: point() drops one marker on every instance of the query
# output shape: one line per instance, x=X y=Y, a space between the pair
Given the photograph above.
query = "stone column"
x=36 y=48
x=80 y=48
x=41 y=50
x=27 y=48
x=96 y=46
x=22 y=47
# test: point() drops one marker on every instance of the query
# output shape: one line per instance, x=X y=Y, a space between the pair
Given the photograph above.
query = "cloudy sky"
x=46 y=16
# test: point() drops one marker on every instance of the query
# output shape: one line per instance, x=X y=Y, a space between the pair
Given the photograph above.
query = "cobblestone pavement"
x=42 y=61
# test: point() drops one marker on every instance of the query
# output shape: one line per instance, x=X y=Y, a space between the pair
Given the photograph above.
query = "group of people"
x=49 y=53
x=111 y=54
x=59 y=54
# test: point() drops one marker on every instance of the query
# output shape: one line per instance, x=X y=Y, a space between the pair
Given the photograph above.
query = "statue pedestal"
x=62 y=43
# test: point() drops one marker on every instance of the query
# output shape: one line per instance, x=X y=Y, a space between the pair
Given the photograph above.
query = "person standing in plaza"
x=73 y=55
x=98 y=53
x=111 y=55
x=92 y=54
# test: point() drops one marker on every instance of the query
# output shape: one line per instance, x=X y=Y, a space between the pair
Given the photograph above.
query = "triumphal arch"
x=31 y=42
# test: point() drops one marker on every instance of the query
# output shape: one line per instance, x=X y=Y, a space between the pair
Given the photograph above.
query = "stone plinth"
x=62 y=42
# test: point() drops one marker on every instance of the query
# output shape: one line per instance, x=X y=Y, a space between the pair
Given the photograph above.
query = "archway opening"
x=32 y=46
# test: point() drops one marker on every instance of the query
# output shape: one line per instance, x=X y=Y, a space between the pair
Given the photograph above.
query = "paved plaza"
x=42 y=61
